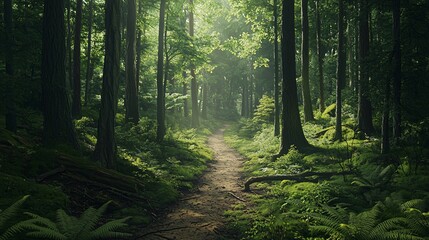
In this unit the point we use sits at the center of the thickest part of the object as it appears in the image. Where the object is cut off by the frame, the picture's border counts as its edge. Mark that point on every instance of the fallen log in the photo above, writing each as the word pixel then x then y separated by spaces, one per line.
pixel 301 177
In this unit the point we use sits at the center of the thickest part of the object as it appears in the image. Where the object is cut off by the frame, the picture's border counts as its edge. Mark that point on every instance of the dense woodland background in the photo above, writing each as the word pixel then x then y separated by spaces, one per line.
pixel 112 101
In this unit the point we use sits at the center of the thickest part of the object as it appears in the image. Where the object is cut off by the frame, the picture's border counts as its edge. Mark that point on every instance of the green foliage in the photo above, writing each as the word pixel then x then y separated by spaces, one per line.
pixel 264 112
pixel 65 227
pixel 6 215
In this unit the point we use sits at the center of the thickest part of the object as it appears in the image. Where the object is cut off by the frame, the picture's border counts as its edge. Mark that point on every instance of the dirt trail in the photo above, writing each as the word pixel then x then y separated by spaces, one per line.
pixel 199 215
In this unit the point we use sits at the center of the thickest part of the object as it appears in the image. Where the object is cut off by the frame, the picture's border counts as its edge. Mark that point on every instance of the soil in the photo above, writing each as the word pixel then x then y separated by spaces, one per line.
pixel 199 215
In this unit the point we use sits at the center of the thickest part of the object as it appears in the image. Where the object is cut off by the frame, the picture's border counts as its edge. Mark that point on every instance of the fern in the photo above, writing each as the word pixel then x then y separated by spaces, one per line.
pixel 71 228
pixel 6 215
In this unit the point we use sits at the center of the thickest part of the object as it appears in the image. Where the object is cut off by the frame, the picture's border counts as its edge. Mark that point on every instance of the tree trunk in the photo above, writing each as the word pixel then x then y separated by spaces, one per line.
pixel 365 107
pixel 105 149
pixel 69 47
pixel 57 121
pixel 292 133
pixel 341 71
pixel 160 133
pixel 138 50
pixel 320 59
pixel 76 102
pixel 276 71
pixel 88 52
pixel 308 109
pixel 131 96
pixel 185 101
pixel 194 85
pixel 205 101
pixel 396 69
pixel 9 101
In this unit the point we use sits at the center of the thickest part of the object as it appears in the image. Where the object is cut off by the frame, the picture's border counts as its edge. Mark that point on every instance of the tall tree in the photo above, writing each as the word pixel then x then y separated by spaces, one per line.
pixel 138 49
pixel 205 101
pixel 69 46
pixel 396 4
pixel 9 101
pixel 341 70
pixel 292 133
pixel 308 109
pixel 185 100
pixel 320 58
pixel 105 149
pixel 57 120
pixel 88 51
pixel 365 107
pixel 194 86
pixel 131 96
pixel 77 103
pixel 160 133
pixel 276 70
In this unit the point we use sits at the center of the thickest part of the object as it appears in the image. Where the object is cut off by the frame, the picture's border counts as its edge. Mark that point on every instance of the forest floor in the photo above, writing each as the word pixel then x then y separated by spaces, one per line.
pixel 200 213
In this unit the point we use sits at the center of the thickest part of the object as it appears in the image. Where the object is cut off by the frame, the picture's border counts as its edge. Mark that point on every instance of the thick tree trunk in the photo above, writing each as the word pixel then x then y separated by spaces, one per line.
pixel 9 101
pixel 320 59
pixel 76 102
pixel 244 99
pixel 131 96
pixel 160 133
pixel 105 149
pixel 88 52
pixel 69 47
pixel 396 69
pixel 276 71
pixel 57 121
pixel 341 71
pixel 292 133
pixel 365 107
pixel 138 50
pixel 194 85
pixel 308 109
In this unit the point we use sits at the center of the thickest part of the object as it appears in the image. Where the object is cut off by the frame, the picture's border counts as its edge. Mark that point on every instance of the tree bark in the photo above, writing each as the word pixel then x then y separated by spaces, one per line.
pixel 194 85
pixel 185 101
pixel 105 149
pixel 205 101
pixel 276 71
pixel 9 101
pixel 57 121
pixel 292 133
pixel 396 69
pixel 308 109
pixel 131 96
pixel 365 108
pixel 69 47
pixel 160 133
pixel 88 52
pixel 341 71
pixel 138 50
pixel 76 102
pixel 320 59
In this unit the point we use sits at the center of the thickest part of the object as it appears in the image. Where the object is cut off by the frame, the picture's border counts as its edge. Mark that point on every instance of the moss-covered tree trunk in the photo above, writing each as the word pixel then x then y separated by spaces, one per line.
pixel 292 133
pixel 138 49
pixel 131 96
pixel 160 111
pixel 88 51
pixel 194 85
pixel 365 107
pixel 320 54
pixel 76 102
pixel 308 109
pixel 9 101
pixel 105 149
pixel 341 71
pixel 276 71
pixel 57 121
pixel 396 69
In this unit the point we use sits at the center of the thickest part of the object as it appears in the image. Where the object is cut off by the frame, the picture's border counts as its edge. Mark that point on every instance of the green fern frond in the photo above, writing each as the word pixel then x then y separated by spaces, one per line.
pixel 107 231
pixel 45 222
pixel 46 233
pixel 90 218
pixel 414 203
pixel 11 211
pixel 387 172
pixel 64 221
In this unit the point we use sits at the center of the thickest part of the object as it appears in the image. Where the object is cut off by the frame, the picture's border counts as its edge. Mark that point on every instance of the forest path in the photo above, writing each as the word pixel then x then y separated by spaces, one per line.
pixel 199 214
